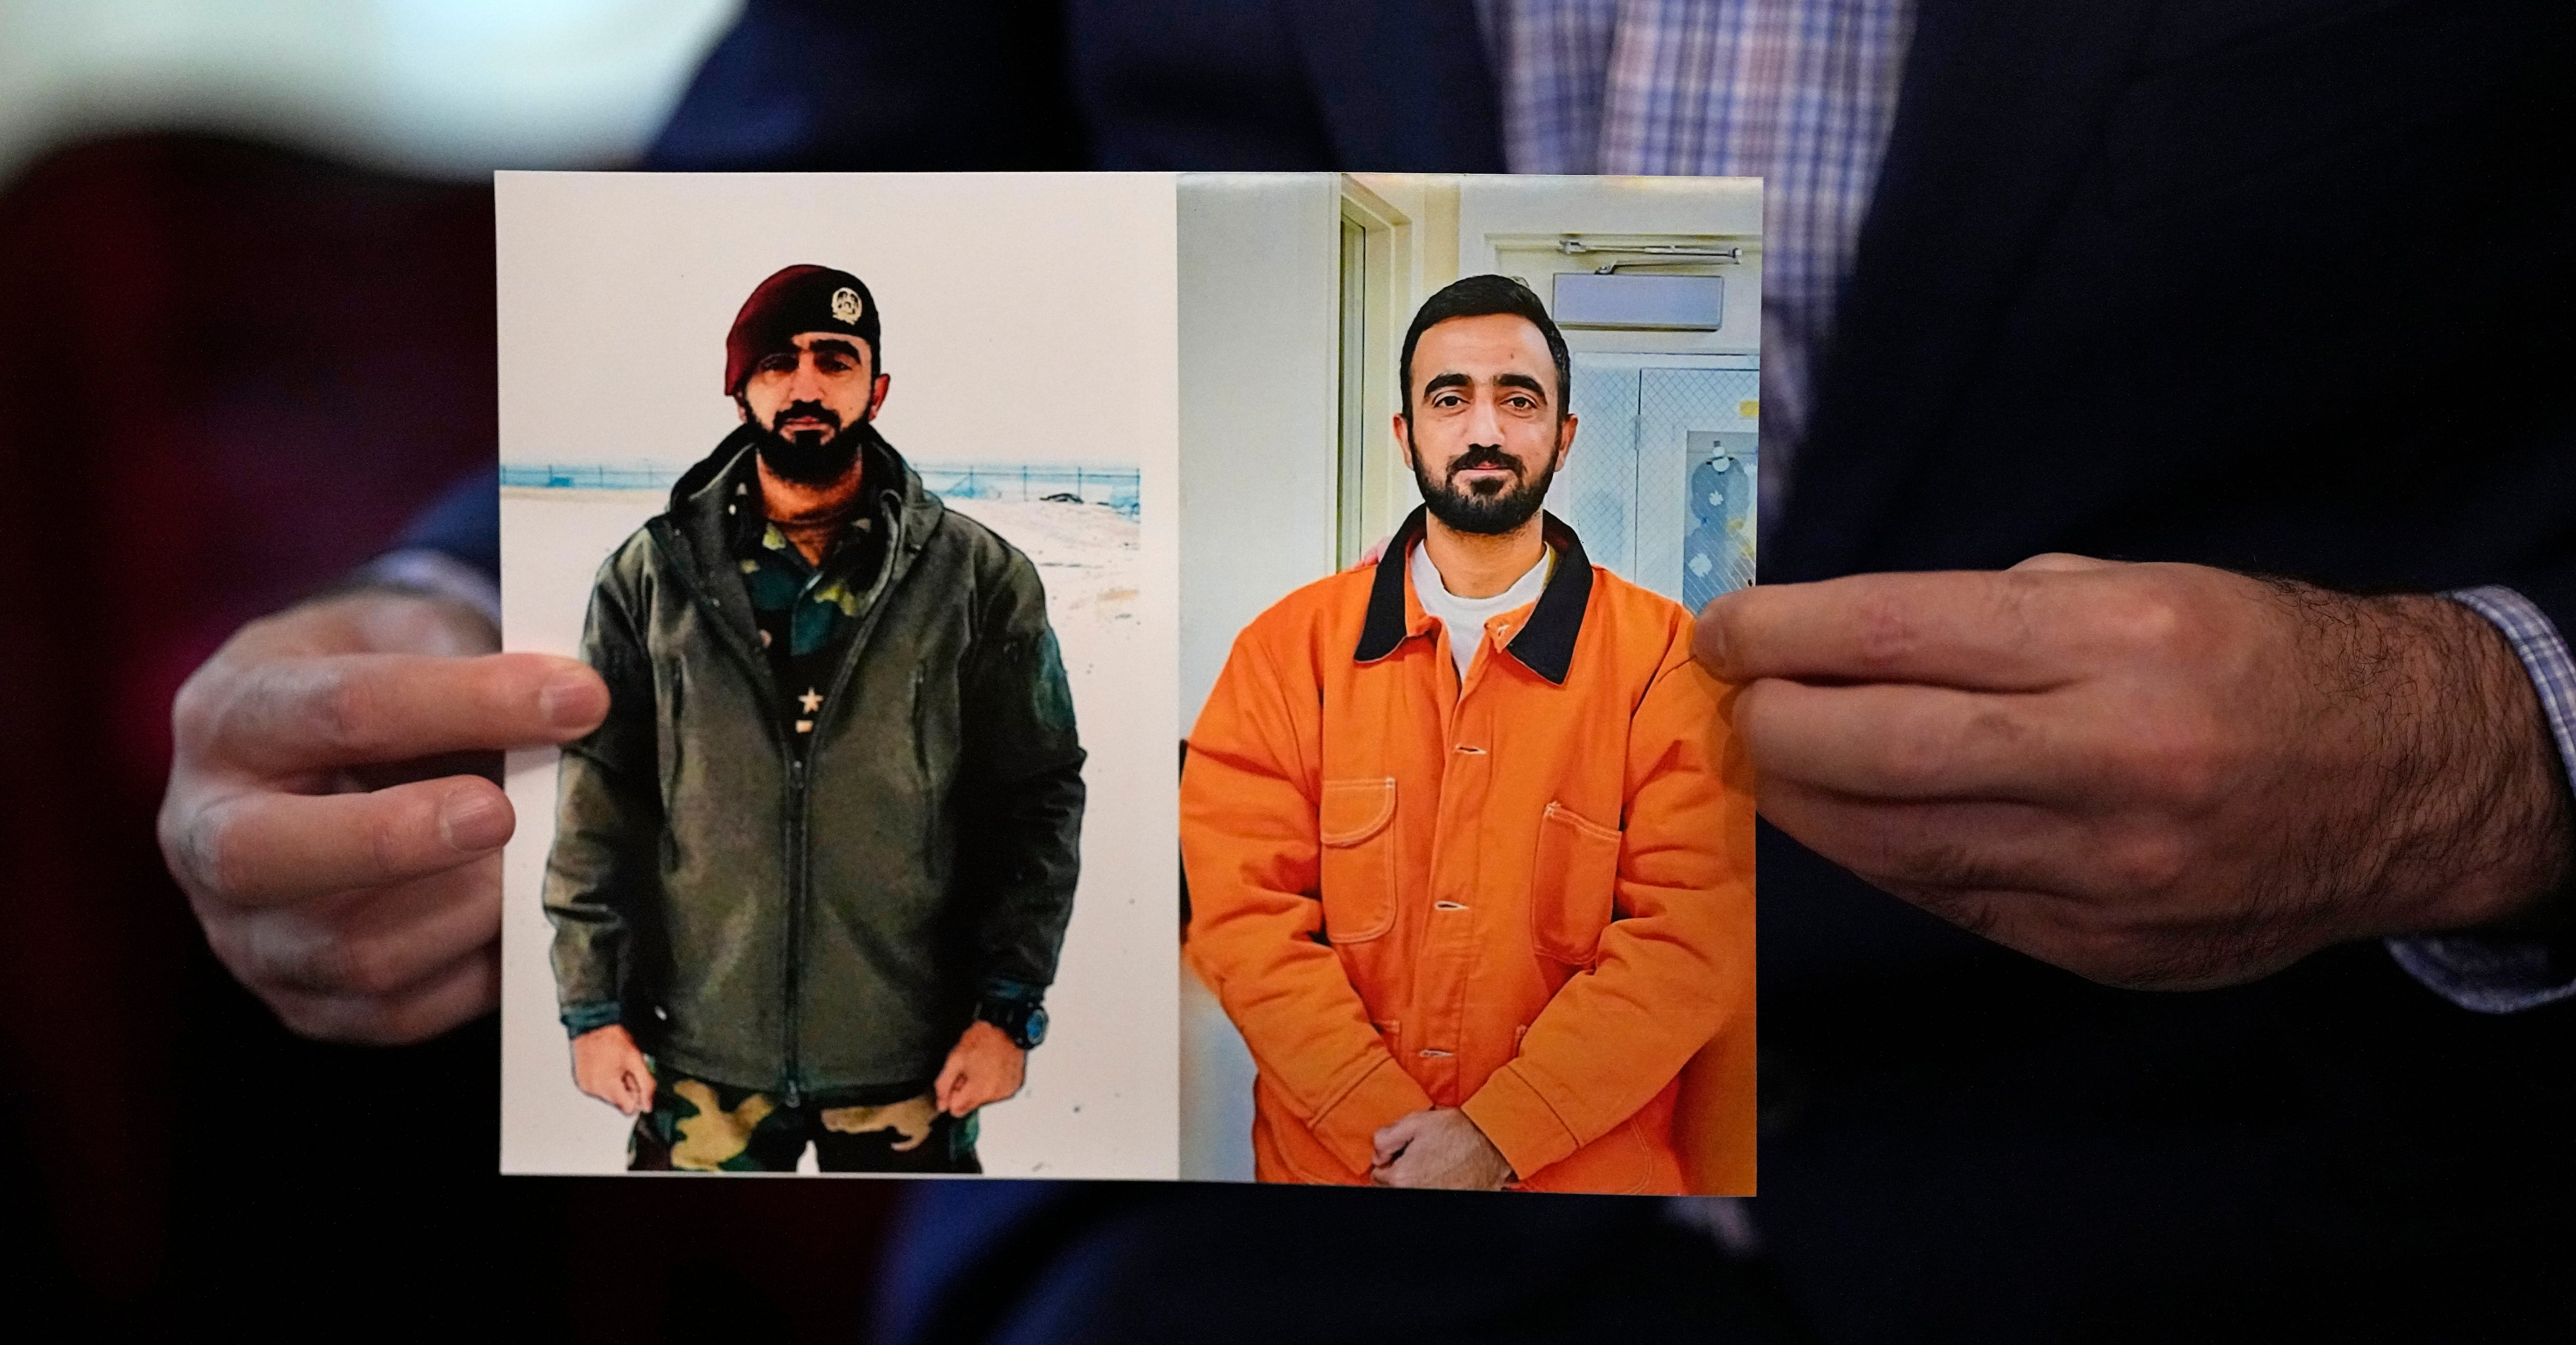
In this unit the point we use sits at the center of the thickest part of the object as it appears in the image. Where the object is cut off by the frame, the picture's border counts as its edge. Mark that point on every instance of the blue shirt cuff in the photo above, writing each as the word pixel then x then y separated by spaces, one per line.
pixel 2488 973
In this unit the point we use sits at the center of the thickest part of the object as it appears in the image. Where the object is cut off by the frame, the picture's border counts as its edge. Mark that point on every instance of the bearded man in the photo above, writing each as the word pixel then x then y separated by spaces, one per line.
pixel 1469 847
pixel 811 874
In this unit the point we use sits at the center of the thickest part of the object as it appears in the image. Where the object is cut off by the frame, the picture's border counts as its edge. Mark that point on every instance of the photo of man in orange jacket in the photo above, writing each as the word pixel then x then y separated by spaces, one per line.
pixel 1469 849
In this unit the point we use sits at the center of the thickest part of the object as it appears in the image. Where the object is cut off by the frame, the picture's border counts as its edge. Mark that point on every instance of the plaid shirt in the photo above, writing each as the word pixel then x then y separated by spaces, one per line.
pixel 1802 93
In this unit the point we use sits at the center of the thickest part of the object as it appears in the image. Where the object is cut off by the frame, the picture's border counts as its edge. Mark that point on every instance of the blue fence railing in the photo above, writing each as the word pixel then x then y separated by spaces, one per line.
pixel 1116 487
pixel 587 476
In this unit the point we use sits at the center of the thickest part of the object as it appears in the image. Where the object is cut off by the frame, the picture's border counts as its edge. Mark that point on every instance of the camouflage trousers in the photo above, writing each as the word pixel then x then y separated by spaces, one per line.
pixel 696 1126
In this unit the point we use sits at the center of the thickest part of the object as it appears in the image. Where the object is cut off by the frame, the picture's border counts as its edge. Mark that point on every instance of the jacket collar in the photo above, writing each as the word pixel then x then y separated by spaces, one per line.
pixel 1545 644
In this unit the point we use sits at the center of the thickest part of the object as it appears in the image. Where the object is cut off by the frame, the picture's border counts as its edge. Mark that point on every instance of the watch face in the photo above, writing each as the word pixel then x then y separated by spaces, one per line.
pixel 1034 1031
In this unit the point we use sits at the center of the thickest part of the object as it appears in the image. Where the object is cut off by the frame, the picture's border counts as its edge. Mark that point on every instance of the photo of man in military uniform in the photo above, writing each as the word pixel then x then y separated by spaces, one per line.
pixel 811 876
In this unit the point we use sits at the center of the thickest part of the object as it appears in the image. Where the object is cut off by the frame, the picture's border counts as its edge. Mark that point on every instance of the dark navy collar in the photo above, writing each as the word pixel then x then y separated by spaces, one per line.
pixel 1545 643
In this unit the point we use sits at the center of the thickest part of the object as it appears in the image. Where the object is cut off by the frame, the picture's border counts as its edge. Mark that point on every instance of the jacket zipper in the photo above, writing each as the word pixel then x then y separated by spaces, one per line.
pixel 800 808
pixel 796 876
pixel 799 785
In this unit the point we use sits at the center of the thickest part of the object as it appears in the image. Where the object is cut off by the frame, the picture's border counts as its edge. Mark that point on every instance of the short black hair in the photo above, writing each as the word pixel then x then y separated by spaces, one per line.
pixel 1479 297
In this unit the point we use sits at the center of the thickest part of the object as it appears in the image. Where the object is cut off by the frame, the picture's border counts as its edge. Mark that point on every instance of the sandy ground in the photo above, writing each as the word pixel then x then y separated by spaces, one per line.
pixel 1101 1098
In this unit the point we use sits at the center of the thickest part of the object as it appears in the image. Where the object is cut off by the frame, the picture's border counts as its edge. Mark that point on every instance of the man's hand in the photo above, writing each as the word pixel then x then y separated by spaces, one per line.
pixel 2152 775
pixel 608 1065
pixel 341 866
pixel 1438 1149
pixel 985 1067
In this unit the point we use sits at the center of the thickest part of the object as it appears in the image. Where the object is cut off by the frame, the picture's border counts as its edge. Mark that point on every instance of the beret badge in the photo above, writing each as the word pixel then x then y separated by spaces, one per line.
pixel 845 304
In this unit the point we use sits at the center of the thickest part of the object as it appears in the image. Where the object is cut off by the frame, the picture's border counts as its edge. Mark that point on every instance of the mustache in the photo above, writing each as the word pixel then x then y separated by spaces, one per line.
pixel 1486 455
pixel 812 410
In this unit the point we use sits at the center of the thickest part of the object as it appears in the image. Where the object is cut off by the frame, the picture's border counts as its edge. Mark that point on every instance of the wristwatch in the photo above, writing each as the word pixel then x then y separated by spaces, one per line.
pixel 1024 1023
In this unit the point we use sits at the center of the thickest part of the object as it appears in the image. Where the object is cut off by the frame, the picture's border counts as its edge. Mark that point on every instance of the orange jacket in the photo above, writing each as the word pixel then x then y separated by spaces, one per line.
pixel 1530 896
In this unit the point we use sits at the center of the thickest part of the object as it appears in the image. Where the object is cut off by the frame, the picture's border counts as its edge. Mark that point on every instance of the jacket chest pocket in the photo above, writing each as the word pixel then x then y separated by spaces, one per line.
pixel 1357 825
pixel 1572 882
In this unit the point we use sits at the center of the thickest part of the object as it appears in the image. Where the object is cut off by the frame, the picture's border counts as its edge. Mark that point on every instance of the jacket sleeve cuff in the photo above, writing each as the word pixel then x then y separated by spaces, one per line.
pixel 581 1018
pixel 1004 990
pixel 1520 1122
pixel 2486 973
pixel 1348 1125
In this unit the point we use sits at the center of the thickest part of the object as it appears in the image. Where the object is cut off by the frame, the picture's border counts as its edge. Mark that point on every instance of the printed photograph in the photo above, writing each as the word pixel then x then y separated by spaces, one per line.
pixel 1467 845
pixel 859 494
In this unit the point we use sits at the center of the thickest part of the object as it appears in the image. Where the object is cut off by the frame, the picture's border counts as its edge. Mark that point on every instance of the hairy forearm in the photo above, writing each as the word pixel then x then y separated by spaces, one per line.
pixel 2477 828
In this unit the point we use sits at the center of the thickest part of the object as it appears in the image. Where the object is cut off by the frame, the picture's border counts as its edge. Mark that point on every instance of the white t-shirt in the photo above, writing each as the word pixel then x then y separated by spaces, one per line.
pixel 1466 617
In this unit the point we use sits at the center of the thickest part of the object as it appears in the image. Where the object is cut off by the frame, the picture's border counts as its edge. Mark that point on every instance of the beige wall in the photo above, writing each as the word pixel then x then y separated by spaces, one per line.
pixel 1258 412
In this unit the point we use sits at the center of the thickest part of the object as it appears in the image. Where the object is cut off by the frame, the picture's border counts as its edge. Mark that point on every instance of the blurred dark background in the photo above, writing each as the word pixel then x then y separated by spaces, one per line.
pixel 246 330
pixel 231 373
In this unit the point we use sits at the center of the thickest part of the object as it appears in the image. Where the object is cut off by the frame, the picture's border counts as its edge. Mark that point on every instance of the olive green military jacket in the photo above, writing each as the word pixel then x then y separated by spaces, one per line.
pixel 818 927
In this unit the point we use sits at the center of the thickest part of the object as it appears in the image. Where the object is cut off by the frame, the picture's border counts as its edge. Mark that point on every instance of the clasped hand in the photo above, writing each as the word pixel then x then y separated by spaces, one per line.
pixel 1437 1148
pixel 2152 775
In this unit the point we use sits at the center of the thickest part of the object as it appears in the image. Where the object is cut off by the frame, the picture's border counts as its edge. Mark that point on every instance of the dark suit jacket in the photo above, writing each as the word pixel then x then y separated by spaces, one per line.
pixel 2276 284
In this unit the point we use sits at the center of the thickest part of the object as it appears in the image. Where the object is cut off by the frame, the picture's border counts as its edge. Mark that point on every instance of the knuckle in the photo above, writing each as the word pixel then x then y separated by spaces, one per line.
pixel 2153 613
pixel 1886 630
pixel 170 830
pixel 365 967
pixel 340 709
pixel 196 710
pixel 388 851
pixel 299 952
pixel 209 852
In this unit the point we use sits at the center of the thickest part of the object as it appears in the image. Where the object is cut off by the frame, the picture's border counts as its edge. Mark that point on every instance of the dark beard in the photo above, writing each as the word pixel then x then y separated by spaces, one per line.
pixel 809 459
pixel 1484 515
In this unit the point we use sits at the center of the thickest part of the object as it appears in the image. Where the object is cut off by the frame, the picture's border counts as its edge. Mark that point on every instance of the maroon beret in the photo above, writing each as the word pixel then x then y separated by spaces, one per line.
pixel 795 301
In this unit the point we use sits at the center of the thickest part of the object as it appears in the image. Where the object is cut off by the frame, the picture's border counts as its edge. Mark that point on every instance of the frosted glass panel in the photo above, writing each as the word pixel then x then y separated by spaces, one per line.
pixel 1661 482
pixel 1596 493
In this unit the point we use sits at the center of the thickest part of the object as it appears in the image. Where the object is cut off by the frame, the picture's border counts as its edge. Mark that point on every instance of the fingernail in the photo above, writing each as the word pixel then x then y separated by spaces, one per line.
pixel 570 700
pixel 474 820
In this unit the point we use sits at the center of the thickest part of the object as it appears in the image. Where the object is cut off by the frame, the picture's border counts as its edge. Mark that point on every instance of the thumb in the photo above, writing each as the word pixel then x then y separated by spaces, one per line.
pixel 951 1075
